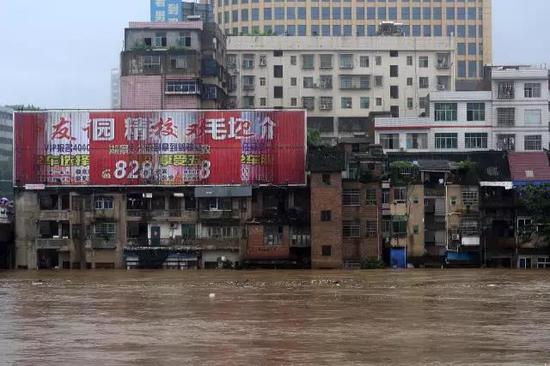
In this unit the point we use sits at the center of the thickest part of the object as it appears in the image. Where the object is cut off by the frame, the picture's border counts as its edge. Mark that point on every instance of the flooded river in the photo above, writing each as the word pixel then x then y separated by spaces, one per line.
pixel 274 317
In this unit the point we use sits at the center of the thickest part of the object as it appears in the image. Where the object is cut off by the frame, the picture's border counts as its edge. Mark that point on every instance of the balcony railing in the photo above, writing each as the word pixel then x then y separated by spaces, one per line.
pixel 53 243
pixel 54 215
pixel 97 243
pixel 218 214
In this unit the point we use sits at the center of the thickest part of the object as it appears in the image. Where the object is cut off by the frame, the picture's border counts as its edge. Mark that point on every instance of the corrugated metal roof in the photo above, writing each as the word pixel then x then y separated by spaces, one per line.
pixel 529 166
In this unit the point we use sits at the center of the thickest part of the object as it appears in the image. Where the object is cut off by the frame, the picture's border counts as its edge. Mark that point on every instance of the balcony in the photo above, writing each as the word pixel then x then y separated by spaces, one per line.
pixel 55 215
pixel 165 242
pixel 219 214
pixel 52 243
pixel 404 122
pixel 97 243
pixel 300 241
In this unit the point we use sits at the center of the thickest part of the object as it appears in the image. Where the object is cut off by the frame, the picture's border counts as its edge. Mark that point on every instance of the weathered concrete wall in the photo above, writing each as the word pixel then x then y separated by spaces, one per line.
pixel 26 231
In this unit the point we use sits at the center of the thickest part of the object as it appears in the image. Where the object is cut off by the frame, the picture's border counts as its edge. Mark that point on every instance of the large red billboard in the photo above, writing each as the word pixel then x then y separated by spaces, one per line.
pixel 103 148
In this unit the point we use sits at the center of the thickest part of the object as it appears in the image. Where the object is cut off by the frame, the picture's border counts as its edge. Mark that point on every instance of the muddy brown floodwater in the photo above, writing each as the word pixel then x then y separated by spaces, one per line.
pixel 275 317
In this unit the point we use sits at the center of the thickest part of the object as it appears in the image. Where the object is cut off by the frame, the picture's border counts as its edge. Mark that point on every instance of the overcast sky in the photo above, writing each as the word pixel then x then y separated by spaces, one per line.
pixel 59 53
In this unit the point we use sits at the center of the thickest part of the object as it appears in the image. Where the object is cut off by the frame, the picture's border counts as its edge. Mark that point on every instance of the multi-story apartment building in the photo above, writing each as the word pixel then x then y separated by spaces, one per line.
pixel 178 10
pixel 511 115
pixel 340 81
pixel 6 152
pixel 173 65
pixel 115 89
pixel 469 22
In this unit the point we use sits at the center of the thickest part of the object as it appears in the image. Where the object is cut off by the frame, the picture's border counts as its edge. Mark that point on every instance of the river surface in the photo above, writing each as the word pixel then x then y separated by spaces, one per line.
pixel 275 317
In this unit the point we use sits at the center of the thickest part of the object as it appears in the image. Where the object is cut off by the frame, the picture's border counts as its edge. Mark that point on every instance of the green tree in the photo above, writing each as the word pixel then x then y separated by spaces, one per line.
pixel 536 199
pixel 314 138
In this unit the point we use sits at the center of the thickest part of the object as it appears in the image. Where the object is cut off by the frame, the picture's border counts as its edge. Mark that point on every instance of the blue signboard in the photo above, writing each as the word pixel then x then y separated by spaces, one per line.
pixel 166 11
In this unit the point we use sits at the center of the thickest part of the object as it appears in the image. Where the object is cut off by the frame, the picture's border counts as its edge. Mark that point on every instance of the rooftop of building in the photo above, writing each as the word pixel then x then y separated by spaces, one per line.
pixel 195 24
pixel 529 167
pixel 325 43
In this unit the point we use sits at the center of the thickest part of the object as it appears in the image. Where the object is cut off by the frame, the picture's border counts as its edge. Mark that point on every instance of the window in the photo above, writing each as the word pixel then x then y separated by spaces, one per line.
pixel 325 81
pixel 475 111
pixel 184 40
pixel 532 90
pixel 105 230
pixel 308 103
pixel 151 62
pixel 378 80
pixel 325 61
pixel 533 142
pixel 532 117
pixel 364 61
pixel 409 81
pixel 277 92
pixel 417 141
pixel 372 228
pixel 104 203
pixel 378 60
pixel 389 141
pixel 423 61
pixel 445 112
pixel 293 60
pixel 325 103
pixel 346 61
pixel 277 71
pixel 378 101
pixel 308 82
pixel 326 179
pixel 351 229
pixel 505 90
pixel 293 102
pixel 248 82
pixel 326 215
pixel 394 92
pixel 446 141
pixel 262 81
pixel 350 197
pixel 506 117
pixel 364 102
pixel 470 198
pixel 506 142
pixel 424 82
pixel 181 87
pixel 307 62
pixel 248 61
pixel 326 250
pixel 293 81
pixel 394 111
pixel 248 101
pixel 160 39
pixel 475 140
pixel 371 196
pixel 409 60
pixel 400 194
pixel 346 103
pixel 273 235
pixel 263 102
pixel 394 71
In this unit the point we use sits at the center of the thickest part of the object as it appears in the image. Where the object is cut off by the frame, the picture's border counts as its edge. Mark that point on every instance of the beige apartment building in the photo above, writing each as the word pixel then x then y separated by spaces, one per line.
pixel 468 21
pixel 341 82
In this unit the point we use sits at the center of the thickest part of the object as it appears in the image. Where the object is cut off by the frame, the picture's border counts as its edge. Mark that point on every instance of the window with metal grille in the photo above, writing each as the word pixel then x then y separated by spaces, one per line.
pixel 181 87
pixel 475 111
pixel 423 61
pixel 350 197
pixel 248 61
pixel 400 194
pixel 417 141
pixel 505 90
pixel 364 61
pixel 346 61
pixel 423 82
pixel 399 225
pixel 533 142
pixel 346 102
pixel 470 198
pixel 506 142
pixel 325 103
pixel 372 228
pixel 273 235
pixel 308 103
pixel 371 197
pixel 308 82
pixel 532 90
pixel 475 140
pixel 445 111
pixel 326 250
pixel 105 230
pixel 351 229
pixel 446 140
pixel 506 117
pixel 325 61
pixel 325 81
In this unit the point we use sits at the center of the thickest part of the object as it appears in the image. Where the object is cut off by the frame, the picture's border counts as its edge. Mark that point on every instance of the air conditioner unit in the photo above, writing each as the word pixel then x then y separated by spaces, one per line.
pixel 324 107
pixel 455 236
pixel 440 87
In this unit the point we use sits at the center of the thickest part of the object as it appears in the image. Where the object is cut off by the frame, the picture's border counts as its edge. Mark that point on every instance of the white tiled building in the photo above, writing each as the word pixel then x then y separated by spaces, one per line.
pixel 512 115
pixel 339 80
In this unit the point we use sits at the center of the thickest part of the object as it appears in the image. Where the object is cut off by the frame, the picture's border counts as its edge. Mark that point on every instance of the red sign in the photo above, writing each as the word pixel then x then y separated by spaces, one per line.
pixel 102 148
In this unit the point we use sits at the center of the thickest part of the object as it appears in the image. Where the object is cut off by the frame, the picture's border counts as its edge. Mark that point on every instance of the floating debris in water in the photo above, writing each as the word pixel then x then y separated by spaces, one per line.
pixel 212 295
